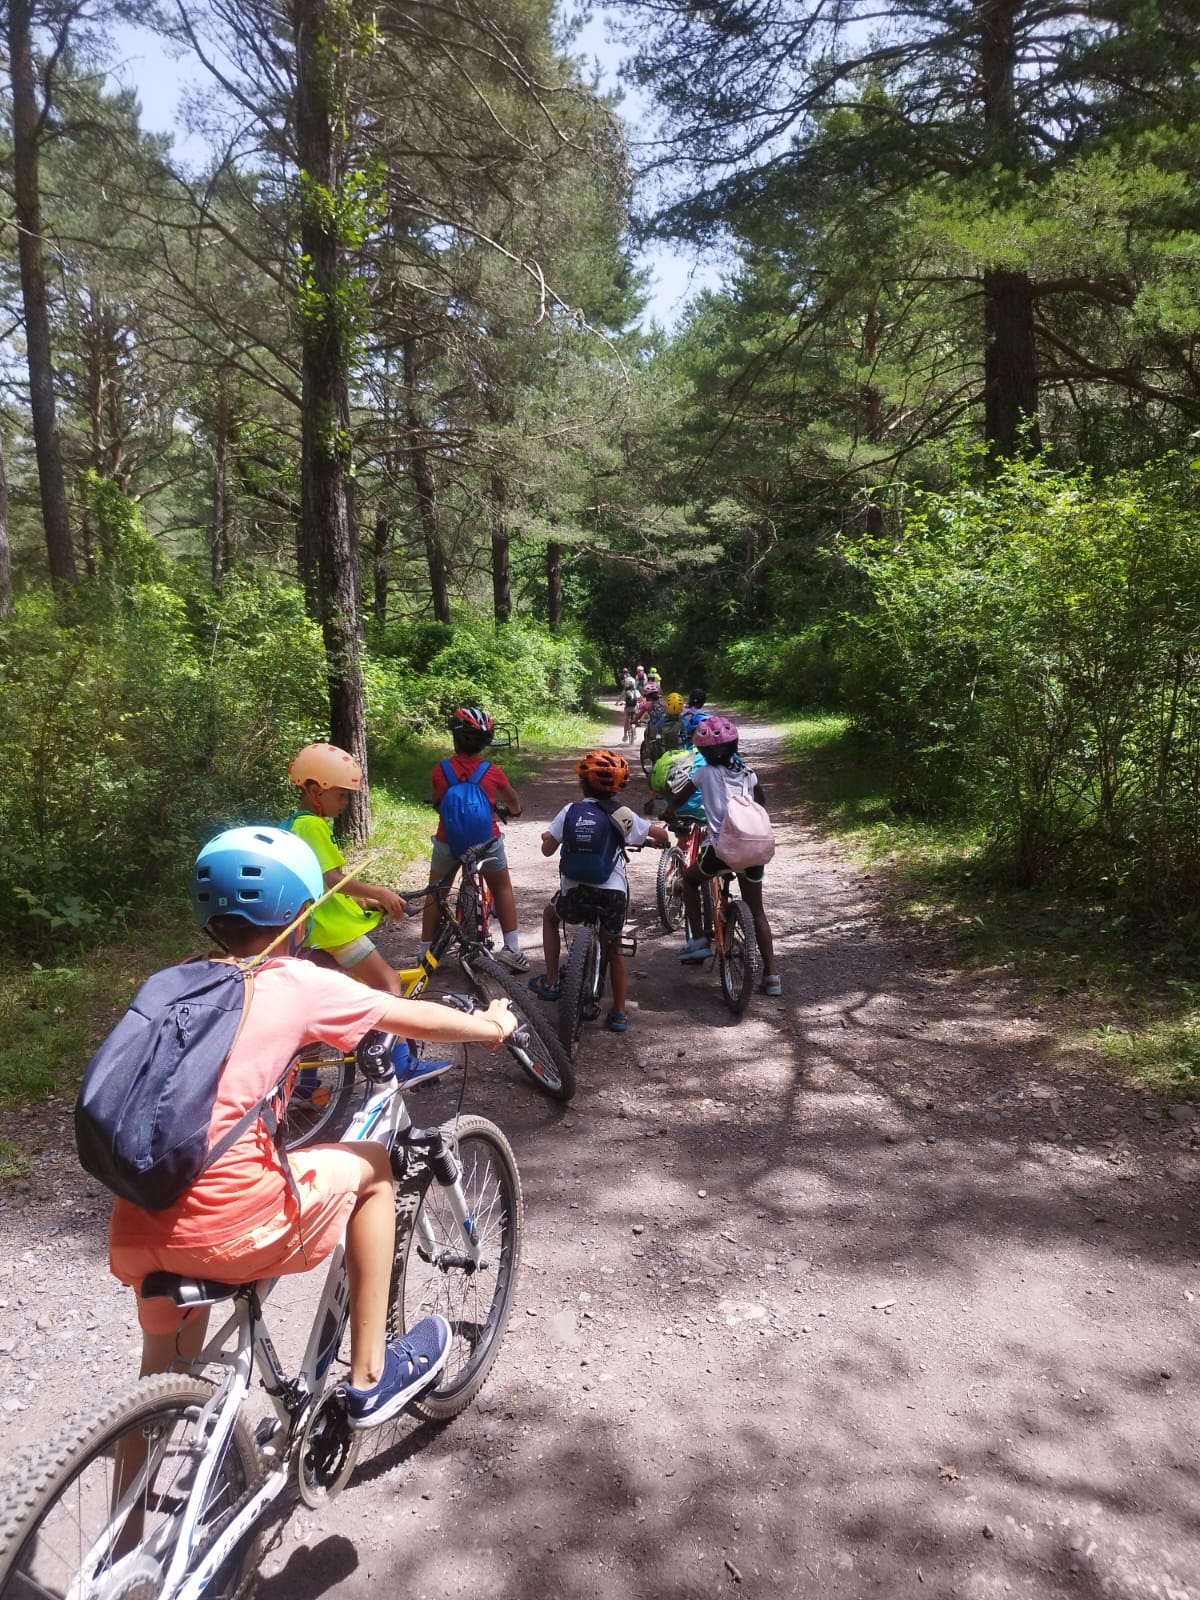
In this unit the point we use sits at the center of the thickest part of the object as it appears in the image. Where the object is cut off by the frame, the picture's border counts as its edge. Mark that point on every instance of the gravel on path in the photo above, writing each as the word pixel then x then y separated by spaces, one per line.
pixel 878 1291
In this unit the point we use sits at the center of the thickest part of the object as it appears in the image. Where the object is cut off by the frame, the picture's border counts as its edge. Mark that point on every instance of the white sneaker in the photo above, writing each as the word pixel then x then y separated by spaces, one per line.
pixel 514 960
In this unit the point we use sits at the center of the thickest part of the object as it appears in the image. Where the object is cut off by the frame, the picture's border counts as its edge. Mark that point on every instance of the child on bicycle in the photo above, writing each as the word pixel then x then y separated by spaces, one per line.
pixel 326 777
pixel 472 731
pixel 243 1219
pixel 602 776
pixel 670 728
pixel 723 772
pixel 629 704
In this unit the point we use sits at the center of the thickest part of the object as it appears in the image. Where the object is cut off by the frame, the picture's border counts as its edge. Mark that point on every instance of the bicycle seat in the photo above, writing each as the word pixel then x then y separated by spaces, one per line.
pixel 189 1291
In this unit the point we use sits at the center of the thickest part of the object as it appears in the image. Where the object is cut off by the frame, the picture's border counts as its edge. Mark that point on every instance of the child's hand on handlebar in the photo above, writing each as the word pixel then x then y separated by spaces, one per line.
pixel 388 901
pixel 501 1012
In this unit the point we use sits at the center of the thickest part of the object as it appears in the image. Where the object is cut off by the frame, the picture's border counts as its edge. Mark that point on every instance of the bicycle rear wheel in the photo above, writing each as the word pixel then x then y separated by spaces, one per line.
pixel 431 1273
pixel 474 910
pixel 741 964
pixel 578 987
pixel 319 1103
pixel 540 1056
pixel 60 1534
pixel 669 888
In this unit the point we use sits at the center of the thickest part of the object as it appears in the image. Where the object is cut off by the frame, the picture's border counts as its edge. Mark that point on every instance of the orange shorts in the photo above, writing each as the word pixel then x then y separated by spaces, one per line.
pixel 328 1178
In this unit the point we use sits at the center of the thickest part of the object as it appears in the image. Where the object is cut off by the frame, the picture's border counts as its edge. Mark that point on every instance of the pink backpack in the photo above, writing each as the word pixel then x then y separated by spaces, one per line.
pixel 745 838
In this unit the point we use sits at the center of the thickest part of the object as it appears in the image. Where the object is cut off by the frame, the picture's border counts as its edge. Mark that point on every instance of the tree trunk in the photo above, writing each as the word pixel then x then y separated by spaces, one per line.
pixel 1010 383
pixel 6 591
pixel 222 428
pixel 554 589
pixel 327 529
pixel 426 486
pixel 501 568
pixel 383 539
pixel 26 158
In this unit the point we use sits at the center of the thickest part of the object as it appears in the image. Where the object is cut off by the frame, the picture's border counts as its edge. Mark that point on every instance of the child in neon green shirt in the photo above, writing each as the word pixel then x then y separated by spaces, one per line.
pixel 326 777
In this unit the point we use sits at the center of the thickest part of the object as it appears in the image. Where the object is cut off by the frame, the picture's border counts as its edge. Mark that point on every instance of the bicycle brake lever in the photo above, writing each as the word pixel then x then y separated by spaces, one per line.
pixel 460 1002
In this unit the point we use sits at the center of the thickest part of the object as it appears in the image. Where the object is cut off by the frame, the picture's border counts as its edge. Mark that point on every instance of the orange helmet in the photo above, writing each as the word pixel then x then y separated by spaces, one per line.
pixel 328 765
pixel 604 770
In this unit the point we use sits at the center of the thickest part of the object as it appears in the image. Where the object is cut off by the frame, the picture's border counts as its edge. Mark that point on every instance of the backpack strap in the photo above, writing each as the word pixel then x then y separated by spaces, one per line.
pixel 477 775
pixel 449 774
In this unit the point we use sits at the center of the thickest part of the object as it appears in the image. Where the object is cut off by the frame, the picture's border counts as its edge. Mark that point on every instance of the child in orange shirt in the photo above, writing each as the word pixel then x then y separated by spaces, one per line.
pixel 240 1221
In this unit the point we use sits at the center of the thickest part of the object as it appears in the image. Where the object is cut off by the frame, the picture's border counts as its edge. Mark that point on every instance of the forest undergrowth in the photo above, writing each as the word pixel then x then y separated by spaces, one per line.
pixel 1135 994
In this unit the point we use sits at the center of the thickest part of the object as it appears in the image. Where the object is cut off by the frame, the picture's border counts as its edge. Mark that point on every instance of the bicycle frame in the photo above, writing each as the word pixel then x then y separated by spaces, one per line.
pixel 383 1117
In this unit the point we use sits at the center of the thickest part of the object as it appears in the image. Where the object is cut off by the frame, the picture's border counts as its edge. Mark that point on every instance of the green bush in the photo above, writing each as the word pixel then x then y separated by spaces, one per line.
pixel 129 732
pixel 1029 657
pixel 149 716
pixel 516 672
pixel 800 669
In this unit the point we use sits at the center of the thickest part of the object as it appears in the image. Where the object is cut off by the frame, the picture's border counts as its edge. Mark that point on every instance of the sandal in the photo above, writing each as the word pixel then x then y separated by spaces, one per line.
pixel 543 990
pixel 616 1022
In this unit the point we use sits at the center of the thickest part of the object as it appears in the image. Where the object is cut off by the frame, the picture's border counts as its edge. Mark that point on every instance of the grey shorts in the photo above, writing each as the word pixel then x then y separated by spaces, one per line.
pixel 443 861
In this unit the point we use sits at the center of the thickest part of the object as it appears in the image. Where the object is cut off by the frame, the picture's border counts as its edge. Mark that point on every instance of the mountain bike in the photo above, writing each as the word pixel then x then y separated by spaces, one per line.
pixel 327 1075
pixel 581 981
pixel 729 926
pixel 162 1491
pixel 676 859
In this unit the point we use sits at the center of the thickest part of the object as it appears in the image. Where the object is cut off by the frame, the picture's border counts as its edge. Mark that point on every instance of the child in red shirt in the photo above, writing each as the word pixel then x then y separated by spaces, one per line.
pixel 472 731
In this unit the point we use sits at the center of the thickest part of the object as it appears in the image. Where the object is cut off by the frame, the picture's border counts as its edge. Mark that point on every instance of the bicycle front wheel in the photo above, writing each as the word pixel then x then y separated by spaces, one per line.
pixel 99 1514
pixel 578 987
pixel 434 1274
pixel 669 888
pixel 537 1052
pixel 741 964
pixel 320 1100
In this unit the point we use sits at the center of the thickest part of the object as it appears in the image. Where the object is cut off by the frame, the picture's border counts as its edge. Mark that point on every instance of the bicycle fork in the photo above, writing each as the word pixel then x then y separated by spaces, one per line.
pixel 441 1152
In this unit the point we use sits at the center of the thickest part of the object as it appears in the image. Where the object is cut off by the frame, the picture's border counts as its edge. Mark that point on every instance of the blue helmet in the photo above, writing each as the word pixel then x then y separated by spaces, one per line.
pixel 262 874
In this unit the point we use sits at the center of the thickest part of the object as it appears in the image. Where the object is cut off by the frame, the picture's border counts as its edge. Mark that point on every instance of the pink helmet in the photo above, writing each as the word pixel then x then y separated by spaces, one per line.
pixel 714 730
pixel 639 669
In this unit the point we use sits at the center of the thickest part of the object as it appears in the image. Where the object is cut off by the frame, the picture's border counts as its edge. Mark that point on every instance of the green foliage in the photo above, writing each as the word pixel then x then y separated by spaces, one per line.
pixel 800 669
pixel 126 734
pixel 127 553
pixel 1029 657
pixel 516 672
pixel 158 716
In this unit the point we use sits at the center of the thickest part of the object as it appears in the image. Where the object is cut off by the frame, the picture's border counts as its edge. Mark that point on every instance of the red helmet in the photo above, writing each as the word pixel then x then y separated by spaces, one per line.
pixel 470 719
pixel 604 770
pixel 714 730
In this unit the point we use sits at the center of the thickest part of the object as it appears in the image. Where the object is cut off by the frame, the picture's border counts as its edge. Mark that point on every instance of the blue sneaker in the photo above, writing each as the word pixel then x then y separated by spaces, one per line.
pixel 409 1367
pixel 694 950
pixel 411 1070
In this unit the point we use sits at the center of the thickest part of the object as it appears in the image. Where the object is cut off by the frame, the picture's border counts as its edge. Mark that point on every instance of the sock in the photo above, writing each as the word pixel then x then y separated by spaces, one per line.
pixel 425 948
pixel 512 941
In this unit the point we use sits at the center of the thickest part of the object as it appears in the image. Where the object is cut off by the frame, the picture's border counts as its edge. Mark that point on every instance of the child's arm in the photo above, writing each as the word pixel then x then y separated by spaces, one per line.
pixel 376 893
pixel 681 799
pixel 419 1019
pixel 759 794
pixel 658 835
pixel 508 797
pixel 549 844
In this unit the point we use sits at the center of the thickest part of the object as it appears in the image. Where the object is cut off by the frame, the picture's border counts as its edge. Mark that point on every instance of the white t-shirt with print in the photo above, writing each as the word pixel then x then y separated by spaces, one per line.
pixel 636 830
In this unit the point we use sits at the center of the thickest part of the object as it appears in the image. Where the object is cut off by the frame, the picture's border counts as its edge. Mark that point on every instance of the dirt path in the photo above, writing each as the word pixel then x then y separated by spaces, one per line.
pixel 876 1292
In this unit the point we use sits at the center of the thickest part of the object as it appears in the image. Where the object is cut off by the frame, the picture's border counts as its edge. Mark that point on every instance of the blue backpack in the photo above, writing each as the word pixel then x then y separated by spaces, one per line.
pixel 465 810
pixel 591 843
pixel 143 1113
